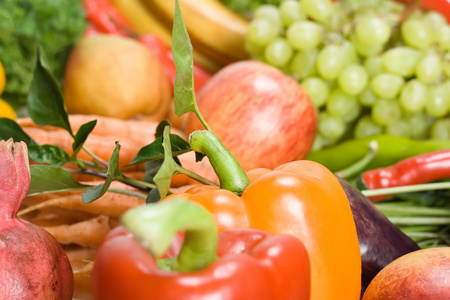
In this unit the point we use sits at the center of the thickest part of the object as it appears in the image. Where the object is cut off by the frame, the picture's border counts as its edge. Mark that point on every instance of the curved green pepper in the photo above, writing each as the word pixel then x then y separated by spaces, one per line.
pixel 391 149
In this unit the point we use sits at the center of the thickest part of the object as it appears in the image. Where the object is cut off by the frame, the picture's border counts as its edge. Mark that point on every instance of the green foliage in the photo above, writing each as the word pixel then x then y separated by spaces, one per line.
pixel 24 25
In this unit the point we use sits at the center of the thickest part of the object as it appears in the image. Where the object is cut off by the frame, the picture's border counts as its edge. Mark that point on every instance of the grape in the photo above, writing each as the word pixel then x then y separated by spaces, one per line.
pixel 398 128
pixel 318 10
pixel 330 61
pixel 435 21
pixel 417 123
pixel 278 52
pixel 304 35
pixel 372 31
pixel 437 104
pixel 290 12
pixel 353 79
pixel 341 105
pixel 349 53
pixel 416 33
pixel 440 129
pixel 366 127
pixel 386 85
pixel 386 111
pixel 304 64
pixel 443 38
pixel 367 97
pixel 413 96
pixel 269 12
pixel 401 60
pixel 317 90
pixel 373 65
pixel 260 32
pixel 331 127
pixel 365 50
pixel 429 67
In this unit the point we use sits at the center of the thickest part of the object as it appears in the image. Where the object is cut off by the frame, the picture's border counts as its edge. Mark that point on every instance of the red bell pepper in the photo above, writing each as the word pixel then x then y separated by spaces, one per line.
pixel 423 168
pixel 141 261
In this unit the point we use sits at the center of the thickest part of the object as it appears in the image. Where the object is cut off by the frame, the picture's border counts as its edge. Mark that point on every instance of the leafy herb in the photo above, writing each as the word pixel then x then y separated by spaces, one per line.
pixel 24 25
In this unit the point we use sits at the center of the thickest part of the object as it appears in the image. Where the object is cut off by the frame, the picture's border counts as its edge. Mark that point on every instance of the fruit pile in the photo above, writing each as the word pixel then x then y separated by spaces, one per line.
pixel 370 67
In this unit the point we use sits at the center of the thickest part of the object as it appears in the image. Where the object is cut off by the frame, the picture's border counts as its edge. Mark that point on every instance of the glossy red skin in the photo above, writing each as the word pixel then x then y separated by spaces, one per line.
pixel 422 274
pixel 262 116
pixel 253 265
pixel 442 6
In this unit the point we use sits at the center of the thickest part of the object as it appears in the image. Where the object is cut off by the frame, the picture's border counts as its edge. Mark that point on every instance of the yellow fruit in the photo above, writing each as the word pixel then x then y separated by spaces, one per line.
pixel 2 78
pixel 114 76
pixel 6 111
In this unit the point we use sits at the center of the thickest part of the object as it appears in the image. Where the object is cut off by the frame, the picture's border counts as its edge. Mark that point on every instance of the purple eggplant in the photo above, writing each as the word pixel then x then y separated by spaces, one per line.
pixel 380 241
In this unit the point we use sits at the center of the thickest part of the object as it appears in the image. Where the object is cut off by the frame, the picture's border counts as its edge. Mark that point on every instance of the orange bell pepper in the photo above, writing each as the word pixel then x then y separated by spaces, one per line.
pixel 302 198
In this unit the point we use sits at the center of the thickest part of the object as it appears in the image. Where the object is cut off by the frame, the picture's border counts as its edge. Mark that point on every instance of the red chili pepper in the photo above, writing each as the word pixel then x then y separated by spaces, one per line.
pixel 164 54
pixel 423 168
pixel 104 16
pixel 233 265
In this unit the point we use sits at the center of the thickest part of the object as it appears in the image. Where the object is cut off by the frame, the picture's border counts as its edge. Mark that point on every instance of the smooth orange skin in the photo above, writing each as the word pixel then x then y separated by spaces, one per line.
pixel 422 274
pixel 304 199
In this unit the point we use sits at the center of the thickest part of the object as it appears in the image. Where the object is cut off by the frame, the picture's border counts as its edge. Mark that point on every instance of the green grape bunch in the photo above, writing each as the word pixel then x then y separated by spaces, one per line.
pixel 367 67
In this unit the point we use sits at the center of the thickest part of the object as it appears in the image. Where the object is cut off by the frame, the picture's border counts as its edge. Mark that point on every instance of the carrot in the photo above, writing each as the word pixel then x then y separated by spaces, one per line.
pixel 81 260
pixel 142 131
pixel 89 233
pixel 110 204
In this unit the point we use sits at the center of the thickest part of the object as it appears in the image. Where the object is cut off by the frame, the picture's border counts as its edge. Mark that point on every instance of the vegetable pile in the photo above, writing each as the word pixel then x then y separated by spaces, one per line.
pixel 217 193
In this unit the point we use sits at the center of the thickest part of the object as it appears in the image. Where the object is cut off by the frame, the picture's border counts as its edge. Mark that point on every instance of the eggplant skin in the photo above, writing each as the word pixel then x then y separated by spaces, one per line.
pixel 380 241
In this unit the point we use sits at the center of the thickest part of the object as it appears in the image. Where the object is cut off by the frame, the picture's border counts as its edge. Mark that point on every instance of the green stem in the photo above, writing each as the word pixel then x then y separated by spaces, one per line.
pixel 104 163
pixel 390 208
pixel 156 224
pixel 361 164
pixel 136 182
pixel 419 220
pixel 127 192
pixel 407 189
pixel 195 176
pixel 231 175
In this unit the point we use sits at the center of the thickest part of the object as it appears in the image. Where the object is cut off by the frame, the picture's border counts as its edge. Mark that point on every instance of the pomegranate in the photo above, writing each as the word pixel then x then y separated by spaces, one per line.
pixel 33 264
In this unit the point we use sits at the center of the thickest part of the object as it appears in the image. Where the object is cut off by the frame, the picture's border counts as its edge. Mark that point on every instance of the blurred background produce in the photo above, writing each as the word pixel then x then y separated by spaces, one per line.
pixel 370 67
pixel 24 25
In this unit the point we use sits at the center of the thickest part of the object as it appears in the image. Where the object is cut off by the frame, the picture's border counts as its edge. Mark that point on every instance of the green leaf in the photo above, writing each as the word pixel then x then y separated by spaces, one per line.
pixel 184 93
pixel 163 178
pixel 45 100
pixel 49 179
pixel 82 135
pixel 151 168
pixel 48 154
pixel 155 150
pixel 160 129
pixel 111 174
pixel 153 196
pixel 10 129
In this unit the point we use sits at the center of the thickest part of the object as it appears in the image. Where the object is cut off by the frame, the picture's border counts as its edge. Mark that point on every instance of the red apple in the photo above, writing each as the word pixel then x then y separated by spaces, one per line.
pixel 261 115
pixel 422 274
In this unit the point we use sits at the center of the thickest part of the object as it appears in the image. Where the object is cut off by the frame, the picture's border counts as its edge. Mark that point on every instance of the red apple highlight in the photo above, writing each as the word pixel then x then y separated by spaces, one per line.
pixel 261 115
pixel 422 274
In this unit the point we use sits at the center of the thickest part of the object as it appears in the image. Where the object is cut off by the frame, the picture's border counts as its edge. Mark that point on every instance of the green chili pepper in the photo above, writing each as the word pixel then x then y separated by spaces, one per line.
pixel 391 149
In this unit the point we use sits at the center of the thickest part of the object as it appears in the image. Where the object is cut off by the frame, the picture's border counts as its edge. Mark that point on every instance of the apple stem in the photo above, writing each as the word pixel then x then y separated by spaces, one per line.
pixel 230 173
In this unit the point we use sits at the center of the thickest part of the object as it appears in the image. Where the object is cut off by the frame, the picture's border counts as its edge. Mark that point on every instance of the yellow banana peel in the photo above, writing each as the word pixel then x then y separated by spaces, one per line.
pixel 213 28
pixel 143 21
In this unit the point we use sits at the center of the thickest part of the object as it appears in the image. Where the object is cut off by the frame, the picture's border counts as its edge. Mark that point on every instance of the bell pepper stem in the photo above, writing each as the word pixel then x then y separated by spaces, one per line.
pixel 154 225
pixel 231 175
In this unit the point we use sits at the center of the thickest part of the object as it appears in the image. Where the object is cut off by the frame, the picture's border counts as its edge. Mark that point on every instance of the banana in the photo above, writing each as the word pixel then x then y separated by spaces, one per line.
pixel 143 21
pixel 213 28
